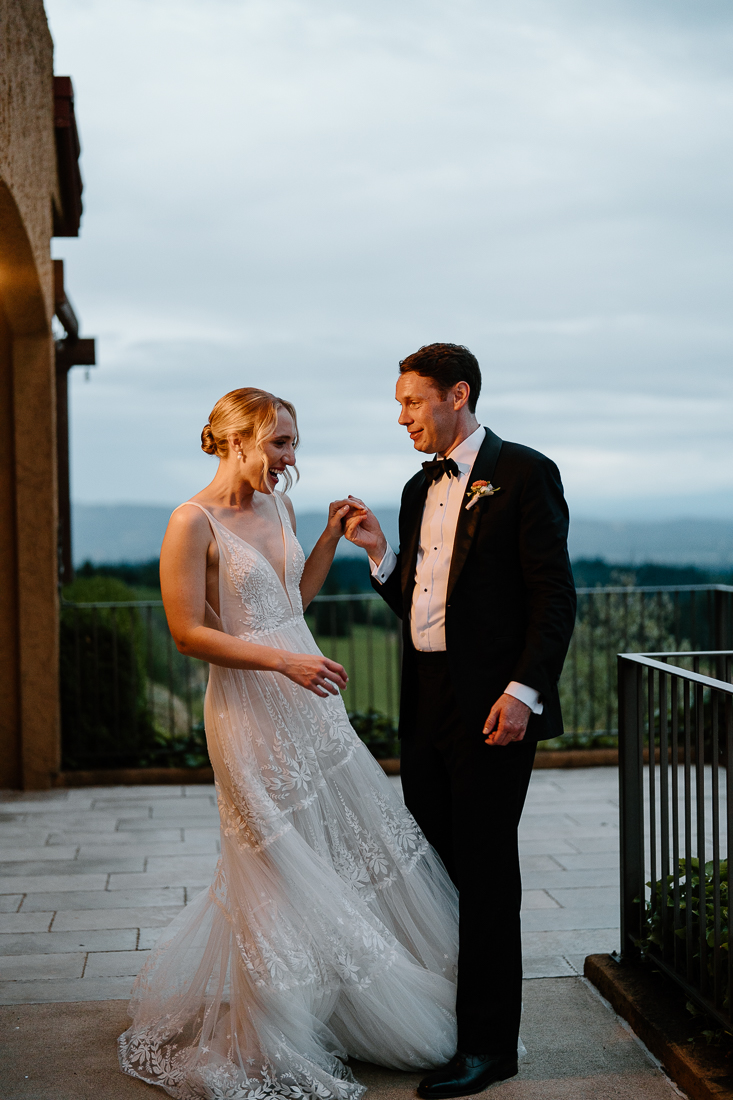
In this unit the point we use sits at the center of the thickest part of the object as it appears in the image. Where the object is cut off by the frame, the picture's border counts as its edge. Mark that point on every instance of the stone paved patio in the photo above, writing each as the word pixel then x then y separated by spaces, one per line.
pixel 89 877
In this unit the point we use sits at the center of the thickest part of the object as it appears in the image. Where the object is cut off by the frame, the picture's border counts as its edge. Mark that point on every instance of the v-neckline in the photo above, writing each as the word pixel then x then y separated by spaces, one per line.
pixel 283 583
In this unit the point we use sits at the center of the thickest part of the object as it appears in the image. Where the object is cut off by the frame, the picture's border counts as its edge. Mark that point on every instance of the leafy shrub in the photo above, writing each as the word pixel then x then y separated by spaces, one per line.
pixel 104 717
pixel 378 733
pixel 657 937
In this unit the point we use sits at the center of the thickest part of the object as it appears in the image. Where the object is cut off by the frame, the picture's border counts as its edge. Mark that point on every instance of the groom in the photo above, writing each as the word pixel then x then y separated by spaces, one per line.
pixel 483 585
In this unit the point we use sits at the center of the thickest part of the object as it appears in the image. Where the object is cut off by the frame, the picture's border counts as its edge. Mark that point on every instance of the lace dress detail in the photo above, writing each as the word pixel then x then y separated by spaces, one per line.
pixel 330 928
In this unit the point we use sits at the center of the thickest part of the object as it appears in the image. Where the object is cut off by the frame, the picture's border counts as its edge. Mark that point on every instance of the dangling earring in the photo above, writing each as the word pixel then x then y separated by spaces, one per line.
pixel 240 456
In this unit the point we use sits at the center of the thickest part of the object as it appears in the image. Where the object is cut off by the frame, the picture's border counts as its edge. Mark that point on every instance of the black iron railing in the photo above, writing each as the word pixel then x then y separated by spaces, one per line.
pixel 129 698
pixel 676 817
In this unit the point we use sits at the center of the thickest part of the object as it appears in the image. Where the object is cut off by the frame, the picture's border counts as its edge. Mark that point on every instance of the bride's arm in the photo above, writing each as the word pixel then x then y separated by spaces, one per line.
pixel 183 559
pixel 320 558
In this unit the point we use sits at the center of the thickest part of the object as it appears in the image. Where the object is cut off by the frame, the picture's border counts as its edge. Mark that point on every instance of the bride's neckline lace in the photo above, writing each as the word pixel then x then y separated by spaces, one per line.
pixel 253 548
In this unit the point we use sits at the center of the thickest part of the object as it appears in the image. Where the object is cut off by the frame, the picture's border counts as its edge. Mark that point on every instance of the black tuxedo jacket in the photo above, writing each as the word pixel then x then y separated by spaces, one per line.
pixel 510 608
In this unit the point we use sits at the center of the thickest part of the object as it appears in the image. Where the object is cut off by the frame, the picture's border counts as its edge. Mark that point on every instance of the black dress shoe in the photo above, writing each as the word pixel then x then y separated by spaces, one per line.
pixel 466 1074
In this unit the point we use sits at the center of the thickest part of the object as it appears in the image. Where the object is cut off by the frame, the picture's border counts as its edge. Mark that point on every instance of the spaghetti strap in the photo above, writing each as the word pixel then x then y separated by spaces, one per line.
pixel 195 504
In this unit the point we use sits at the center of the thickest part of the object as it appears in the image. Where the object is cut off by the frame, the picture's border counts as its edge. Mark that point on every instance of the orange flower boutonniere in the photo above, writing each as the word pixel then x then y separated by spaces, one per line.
pixel 480 489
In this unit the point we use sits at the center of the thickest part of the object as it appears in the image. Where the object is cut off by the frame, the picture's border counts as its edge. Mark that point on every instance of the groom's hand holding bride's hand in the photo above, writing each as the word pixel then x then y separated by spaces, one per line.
pixel 362 528
pixel 507 721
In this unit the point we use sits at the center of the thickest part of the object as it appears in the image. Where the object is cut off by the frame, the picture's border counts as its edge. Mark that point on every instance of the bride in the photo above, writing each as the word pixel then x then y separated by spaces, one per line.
pixel 330 929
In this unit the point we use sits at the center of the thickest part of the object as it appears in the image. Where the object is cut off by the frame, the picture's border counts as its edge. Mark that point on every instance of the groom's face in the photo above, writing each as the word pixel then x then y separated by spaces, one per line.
pixel 429 416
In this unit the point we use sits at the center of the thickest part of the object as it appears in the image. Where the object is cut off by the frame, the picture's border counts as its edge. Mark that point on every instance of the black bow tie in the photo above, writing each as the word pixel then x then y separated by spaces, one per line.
pixel 435 470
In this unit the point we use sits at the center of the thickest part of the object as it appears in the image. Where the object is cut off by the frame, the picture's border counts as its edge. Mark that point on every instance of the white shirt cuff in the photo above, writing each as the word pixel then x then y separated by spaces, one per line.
pixel 386 566
pixel 526 695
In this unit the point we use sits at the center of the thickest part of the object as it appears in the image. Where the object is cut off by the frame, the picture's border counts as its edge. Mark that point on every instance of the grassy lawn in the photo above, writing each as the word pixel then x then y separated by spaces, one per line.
pixel 370 656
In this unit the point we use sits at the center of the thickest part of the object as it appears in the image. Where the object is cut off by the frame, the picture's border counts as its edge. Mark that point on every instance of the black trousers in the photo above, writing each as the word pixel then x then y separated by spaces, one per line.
pixel 467 797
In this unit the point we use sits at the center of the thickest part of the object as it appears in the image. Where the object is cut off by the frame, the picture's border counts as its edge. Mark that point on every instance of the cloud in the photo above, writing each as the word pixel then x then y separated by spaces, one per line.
pixel 297 194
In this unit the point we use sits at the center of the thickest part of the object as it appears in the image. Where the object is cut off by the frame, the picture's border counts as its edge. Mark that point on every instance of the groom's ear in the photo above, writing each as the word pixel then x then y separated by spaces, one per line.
pixel 461 394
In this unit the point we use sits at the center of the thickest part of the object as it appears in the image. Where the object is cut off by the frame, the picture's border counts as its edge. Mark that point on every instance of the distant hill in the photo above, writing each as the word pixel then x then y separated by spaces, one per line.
pixel 702 542
pixel 134 532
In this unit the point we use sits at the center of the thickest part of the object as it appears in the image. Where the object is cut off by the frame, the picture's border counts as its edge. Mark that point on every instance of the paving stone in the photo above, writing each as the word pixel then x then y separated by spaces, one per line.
pixel 203 864
pixel 142 806
pixel 38 884
pixel 591 861
pixel 75 866
pixel 25 922
pixel 125 796
pixel 195 879
pixel 39 853
pixel 66 990
pixel 103 899
pixel 549 822
pixel 604 817
pixel 565 832
pixel 596 844
pixel 199 832
pixel 93 939
pixel 580 898
pixel 546 966
pixel 21 833
pixel 557 880
pixel 112 964
pixel 153 916
pixel 550 920
pixel 557 799
pixel 537 899
pixel 148 938
pixel 147 848
pixel 9 903
pixel 577 962
pixel 539 863
pixel 585 941
pixel 197 807
pixel 74 819
pixel 202 790
pixel 146 824
pixel 183 818
pixel 546 846
pixel 194 810
pixel 26 803
pixel 22 968
pixel 112 840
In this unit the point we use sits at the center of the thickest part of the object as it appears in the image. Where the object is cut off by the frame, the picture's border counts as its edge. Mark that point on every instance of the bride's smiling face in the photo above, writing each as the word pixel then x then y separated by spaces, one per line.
pixel 278 449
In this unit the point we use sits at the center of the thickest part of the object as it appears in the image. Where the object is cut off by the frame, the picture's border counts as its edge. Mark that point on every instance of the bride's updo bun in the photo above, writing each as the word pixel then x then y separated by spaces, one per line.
pixel 250 412
pixel 208 443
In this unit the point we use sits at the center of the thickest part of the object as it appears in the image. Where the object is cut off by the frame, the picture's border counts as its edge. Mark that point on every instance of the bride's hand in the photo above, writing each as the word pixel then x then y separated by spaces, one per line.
pixel 319 674
pixel 338 510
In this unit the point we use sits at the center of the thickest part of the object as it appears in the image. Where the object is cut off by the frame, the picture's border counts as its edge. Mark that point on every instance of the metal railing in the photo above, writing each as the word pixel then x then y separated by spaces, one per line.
pixel 676 818
pixel 129 698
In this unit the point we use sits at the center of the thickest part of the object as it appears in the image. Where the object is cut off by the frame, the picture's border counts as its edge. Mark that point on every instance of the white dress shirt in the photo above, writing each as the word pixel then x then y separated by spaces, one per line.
pixel 435 550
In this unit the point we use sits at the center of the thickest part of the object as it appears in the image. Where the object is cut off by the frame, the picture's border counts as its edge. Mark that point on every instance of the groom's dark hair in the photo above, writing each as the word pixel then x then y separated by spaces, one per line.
pixel 446 364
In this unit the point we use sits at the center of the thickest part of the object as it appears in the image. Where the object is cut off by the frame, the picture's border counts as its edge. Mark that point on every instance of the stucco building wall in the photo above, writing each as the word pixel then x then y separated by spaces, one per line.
pixel 29 710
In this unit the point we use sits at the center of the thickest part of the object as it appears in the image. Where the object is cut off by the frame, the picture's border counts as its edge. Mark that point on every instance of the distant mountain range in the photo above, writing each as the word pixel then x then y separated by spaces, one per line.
pixel 134 532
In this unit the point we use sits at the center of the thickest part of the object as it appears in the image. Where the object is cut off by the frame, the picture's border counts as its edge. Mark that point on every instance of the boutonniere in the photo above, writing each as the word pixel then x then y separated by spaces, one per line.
pixel 480 489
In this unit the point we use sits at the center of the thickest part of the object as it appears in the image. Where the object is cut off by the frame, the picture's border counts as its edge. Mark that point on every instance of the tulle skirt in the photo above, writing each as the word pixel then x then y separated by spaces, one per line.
pixel 330 930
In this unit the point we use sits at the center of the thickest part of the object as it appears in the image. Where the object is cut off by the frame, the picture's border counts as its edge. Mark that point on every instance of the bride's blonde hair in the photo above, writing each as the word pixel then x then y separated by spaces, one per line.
pixel 252 413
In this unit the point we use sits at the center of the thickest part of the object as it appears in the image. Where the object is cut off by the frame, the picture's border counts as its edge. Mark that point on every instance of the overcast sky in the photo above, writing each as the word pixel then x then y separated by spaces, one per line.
pixel 295 194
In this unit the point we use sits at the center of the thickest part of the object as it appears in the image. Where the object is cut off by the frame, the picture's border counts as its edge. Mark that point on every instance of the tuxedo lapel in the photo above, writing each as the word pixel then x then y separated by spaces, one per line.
pixel 482 470
pixel 411 521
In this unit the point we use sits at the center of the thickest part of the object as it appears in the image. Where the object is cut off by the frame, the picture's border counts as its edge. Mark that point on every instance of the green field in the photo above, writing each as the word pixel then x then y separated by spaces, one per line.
pixel 370 656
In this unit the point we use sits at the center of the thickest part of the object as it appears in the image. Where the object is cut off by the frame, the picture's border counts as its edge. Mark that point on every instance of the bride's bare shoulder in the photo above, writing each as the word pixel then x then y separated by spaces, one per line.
pixel 189 522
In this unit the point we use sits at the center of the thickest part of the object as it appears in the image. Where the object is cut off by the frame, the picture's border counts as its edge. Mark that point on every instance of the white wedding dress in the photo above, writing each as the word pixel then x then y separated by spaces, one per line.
pixel 331 927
